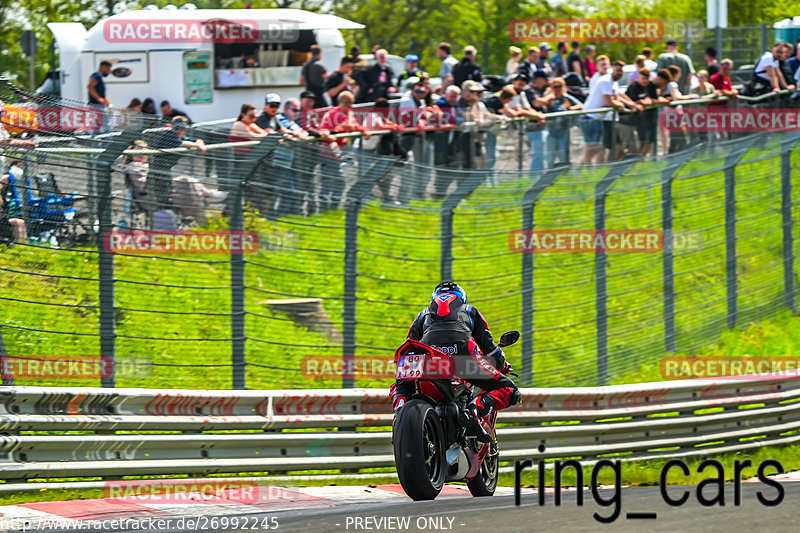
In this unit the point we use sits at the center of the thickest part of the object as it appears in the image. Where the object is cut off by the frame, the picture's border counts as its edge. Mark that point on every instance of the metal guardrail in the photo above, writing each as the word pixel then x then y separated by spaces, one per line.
pixel 643 421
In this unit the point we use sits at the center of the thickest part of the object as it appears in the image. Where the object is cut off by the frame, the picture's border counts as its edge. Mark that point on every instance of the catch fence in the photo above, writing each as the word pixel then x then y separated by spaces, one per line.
pixel 350 246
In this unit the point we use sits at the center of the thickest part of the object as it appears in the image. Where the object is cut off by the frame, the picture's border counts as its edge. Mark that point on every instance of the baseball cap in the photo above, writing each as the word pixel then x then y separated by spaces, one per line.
pixel 180 123
pixel 672 42
pixel 273 98
pixel 307 94
pixel 412 57
pixel 519 76
pixel 544 46
pixel 471 85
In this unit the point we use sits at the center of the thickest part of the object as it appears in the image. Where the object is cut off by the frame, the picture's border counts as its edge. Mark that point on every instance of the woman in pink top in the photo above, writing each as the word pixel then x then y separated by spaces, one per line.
pixel 245 128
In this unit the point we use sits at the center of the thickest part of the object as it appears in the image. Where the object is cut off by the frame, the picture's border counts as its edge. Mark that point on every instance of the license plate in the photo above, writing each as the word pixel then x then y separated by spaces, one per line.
pixel 410 366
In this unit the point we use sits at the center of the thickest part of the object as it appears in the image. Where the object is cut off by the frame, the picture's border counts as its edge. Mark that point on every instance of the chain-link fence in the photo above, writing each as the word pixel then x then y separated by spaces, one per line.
pixel 320 255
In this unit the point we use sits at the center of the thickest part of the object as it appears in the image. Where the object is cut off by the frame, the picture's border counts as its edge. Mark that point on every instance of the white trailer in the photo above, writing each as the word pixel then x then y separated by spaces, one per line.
pixel 206 62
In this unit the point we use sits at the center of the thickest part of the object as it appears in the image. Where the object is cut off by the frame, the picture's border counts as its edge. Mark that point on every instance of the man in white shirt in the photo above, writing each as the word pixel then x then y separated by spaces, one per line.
pixel 768 69
pixel 448 62
pixel 599 128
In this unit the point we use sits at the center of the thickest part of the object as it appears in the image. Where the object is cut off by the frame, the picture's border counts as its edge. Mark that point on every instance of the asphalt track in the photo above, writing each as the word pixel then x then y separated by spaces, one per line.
pixel 499 514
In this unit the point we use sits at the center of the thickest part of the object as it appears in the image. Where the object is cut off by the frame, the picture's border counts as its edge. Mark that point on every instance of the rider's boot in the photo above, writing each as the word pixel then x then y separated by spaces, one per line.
pixel 470 418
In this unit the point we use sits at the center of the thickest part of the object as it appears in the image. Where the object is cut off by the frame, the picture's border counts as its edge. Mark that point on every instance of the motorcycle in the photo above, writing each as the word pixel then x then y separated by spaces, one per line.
pixel 429 434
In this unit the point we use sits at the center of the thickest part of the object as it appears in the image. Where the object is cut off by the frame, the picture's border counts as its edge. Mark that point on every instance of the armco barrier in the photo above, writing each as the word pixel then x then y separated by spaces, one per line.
pixel 664 419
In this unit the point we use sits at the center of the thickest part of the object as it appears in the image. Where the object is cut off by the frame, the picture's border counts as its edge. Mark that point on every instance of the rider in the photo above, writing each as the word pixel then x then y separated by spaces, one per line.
pixel 453 326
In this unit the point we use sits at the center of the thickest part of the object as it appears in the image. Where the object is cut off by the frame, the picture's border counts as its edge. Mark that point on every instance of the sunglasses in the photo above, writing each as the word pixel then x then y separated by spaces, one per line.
pixel 556 86
pixel 273 105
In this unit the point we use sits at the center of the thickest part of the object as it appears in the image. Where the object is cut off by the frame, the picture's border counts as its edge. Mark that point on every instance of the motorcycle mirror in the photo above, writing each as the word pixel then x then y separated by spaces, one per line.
pixel 508 338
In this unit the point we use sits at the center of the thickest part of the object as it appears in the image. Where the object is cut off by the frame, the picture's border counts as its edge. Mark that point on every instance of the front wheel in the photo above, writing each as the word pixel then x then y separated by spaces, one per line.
pixel 485 482
pixel 419 450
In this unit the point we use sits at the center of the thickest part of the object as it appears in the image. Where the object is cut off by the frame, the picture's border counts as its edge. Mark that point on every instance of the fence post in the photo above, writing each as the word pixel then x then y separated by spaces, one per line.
pixel 471 180
pixel 718 42
pixel 730 226
pixel 528 206
pixel 601 304
pixel 355 196
pixel 613 155
pixel 3 354
pixel 105 259
pixel 786 213
pixel 668 240
pixel 764 39
pixel 240 173
pixel 520 144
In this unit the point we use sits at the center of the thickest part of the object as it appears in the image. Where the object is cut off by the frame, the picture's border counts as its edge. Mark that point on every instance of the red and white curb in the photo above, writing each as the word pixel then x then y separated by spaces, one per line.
pixel 268 499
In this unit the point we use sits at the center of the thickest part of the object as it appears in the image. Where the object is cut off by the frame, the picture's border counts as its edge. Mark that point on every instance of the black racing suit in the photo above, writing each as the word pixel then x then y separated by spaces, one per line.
pixel 459 329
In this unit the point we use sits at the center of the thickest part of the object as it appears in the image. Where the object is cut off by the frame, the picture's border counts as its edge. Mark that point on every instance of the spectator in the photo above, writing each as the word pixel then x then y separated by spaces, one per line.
pixel 767 71
pixel 376 81
pixel 599 130
pixel 411 71
pixel 588 64
pixel 448 62
pixel 530 65
pixel 136 170
pixel 542 63
pixel 97 94
pixel 339 119
pixel 558 129
pixel 466 69
pixel 794 61
pixel 639 64
pixel 129 113
pixel 245 127
pixel 149 106
pixel 339 80
pixel 786 70
pixel 313 76
pixel 411 114
pixel 558 63
pixel 520 105
pixel 190 198
pixel 710 57
pixel 537 134
pixel 721 81
pixel 268 119
pixel 355 55
pixel 168 112
pixel 575 62
pixel 649 64
pixel 445 143
pixel 297 186
pixel 603 63
pixel 704 88
pixel 671 91
pixel 513 63
pixel 644 92
pixel 470 108
pixel 496 106
pixel 672 57
pixel 158 179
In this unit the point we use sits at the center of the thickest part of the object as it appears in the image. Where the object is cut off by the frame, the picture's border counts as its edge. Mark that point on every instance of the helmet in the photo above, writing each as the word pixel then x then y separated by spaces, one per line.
pixel 450 286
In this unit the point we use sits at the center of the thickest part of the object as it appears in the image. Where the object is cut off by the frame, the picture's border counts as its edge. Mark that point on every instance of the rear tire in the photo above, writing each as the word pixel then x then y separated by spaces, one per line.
pixel 419 450
pixel 485 482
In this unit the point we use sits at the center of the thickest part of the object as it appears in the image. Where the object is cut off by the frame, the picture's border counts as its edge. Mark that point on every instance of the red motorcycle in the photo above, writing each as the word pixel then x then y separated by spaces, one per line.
pixel 431 442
